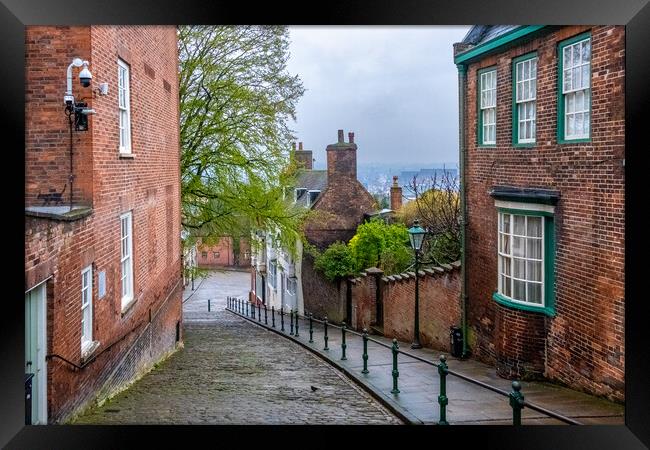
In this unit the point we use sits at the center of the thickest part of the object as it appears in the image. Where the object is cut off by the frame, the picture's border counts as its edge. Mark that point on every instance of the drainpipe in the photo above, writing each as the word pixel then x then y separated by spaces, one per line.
pixel 462 82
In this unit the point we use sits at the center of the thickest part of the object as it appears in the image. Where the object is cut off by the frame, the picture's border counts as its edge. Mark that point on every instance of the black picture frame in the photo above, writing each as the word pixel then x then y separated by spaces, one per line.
pixel 634 14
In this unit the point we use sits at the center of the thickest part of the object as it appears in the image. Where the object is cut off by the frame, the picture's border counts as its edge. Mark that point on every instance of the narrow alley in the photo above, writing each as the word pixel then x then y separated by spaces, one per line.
pixel 233 372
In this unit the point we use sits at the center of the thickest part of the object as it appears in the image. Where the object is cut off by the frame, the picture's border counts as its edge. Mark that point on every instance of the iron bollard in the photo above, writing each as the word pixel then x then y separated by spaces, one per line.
pixel 253 311
pixel 240 306
pixel 291 322
pixel 273 316
pixel 365 351
pixel 259 312
pixel 282 318
pixel 442 398
pixel 326 338
pixel 296 335
pixel 247 313
pixel 343 345
pixel 517 402
pixel 395 372
pixel 208 305
pixel 311 329
pixel 266 318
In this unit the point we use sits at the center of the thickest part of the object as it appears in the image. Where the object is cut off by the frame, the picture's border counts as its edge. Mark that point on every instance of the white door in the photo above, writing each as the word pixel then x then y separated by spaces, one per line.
pixel 35 350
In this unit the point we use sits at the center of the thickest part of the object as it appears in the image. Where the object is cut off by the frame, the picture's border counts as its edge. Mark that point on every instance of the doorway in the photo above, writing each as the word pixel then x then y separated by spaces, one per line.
pixel 35 351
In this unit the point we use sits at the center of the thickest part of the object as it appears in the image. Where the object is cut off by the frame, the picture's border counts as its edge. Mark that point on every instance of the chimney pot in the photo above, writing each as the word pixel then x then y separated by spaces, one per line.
pixel 351 137
pixel 294 145
pixel 395 181
pixel 300 146
pixel 341 136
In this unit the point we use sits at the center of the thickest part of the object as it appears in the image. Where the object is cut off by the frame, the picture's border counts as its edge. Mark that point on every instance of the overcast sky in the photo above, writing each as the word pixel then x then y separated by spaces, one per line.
pixel 395 87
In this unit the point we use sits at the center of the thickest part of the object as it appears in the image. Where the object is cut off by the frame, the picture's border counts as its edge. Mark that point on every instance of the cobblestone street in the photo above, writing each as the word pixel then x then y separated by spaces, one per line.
pixel 234 372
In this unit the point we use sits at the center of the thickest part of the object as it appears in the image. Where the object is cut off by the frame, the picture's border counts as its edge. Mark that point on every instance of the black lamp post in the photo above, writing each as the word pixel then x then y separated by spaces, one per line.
pixel 416 234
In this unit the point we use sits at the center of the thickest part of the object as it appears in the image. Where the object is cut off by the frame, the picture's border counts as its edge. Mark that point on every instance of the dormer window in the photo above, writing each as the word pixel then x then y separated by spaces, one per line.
pixel 313 195
pixel 299 193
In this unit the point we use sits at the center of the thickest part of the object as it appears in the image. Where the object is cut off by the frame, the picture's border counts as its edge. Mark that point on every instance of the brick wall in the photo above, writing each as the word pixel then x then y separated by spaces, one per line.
pixel 222 254
pixel 148 184
pixel 322 297
pixel 439 301
pixel 583 345
pixel 439 305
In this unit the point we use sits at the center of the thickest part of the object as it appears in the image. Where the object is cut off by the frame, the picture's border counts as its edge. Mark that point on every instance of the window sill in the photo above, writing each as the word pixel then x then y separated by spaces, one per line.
pixel 127 307
pixel 87 350
pixel 500 299
pixel 486 146
pixel 574 141
pixel 127 156
pixel 525 145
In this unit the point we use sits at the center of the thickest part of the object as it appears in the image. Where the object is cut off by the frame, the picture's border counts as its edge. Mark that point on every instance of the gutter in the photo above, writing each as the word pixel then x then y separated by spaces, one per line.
pixel 462 81
pixel 494 44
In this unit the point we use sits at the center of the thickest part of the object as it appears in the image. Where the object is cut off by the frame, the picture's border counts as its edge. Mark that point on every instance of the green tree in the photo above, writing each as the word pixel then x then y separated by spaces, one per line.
pixel 377 244
pixel 335 262
pixel 236 98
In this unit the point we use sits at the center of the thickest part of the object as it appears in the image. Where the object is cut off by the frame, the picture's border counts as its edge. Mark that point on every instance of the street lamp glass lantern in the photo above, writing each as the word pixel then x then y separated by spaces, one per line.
pixel 416 234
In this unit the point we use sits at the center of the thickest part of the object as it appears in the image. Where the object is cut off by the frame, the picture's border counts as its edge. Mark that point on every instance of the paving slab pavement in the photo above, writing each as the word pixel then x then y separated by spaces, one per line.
pixel 418 383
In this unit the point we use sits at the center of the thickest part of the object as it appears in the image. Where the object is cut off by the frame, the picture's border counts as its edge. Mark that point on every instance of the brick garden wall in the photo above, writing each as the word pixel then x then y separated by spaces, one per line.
pixel 148 184
pixel 321 296
pixel 583 345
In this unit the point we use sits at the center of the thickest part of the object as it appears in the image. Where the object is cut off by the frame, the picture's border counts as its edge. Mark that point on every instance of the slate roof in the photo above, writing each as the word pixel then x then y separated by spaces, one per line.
pixel 312 180
pixel 479 34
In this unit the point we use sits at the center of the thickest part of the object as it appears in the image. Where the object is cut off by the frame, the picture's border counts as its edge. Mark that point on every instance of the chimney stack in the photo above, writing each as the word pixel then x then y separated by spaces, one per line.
pixel 351 137
pixel 303 157
pixel 341 159
pixel 395 195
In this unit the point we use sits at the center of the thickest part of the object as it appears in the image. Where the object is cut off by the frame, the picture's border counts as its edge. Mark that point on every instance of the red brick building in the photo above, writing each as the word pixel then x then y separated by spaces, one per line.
pixel 542 151
pixel 102 204
pixel 225 253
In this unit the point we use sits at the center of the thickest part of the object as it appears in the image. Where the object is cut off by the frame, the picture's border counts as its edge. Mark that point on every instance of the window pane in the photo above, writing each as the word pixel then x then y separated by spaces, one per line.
pixel 579 123
pixel 571 130
pixel 519 72
pixel 519 290
pixel 585 129
pixel 576 75
pixel 505 265
pixel 507 286
pixel 506 223
pixel 567 56
pixel 576 54
pixel 534 270
pixel 535 293
pixel 518 248
pixel 520 225
pixel 534 226
pixel 567 80
pixel 585 76
pixel 586 51
pixel 519 268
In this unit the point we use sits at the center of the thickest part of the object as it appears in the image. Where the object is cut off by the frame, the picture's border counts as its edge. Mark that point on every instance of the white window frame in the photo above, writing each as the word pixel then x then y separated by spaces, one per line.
pixel 501 255
pixel 86 308
pixel 487 104
pixel 126 261
pixel 526 97
pixel 291 286
pixel 124 106
pixel 572 89
pixel 273 274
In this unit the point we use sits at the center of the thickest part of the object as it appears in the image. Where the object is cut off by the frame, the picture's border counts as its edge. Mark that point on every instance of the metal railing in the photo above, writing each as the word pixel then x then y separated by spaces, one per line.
pixel 515 397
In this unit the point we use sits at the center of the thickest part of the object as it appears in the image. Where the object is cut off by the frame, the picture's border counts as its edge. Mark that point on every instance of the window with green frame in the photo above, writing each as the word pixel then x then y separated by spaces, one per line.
pixel 574 89
pixel 487 106
pixel 526 253
pixel 524 99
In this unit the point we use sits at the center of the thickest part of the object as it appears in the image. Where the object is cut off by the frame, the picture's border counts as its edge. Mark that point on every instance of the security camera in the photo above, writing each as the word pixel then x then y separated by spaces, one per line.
pixel 85 76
